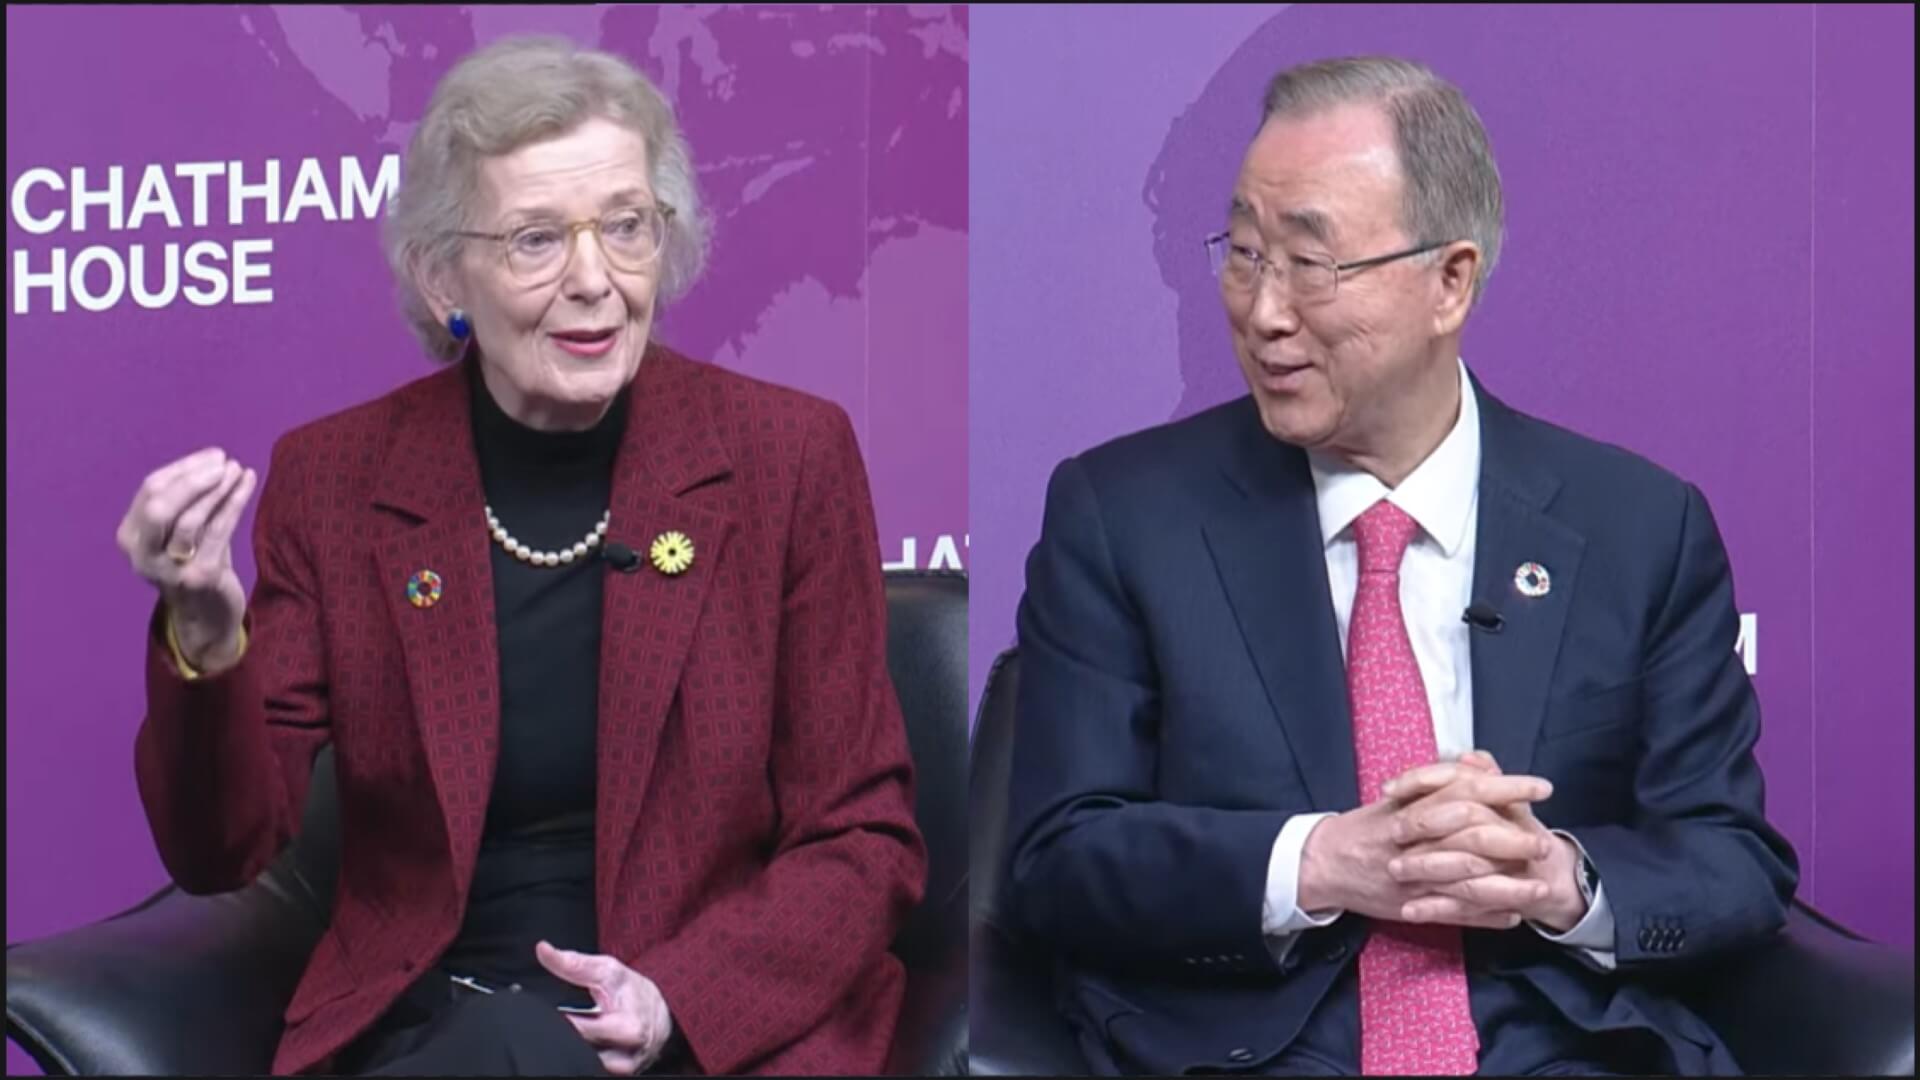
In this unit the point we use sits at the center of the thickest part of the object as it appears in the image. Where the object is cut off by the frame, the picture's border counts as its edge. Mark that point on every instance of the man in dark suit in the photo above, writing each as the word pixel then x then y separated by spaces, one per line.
pixel 1365 723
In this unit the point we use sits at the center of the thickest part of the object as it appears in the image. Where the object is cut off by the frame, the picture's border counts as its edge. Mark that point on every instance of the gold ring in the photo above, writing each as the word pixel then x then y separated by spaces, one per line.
pixel 180 556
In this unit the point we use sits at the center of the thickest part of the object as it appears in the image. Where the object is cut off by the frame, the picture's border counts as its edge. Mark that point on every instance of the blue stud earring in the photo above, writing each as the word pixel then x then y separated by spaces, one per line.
pixel 458 325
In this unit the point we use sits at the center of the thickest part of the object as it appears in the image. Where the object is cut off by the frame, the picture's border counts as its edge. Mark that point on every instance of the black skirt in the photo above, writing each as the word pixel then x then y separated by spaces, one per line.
pixel 441 1029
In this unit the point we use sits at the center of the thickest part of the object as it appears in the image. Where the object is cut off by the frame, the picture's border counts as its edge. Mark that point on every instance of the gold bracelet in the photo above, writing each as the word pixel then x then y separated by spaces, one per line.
pixel 188 671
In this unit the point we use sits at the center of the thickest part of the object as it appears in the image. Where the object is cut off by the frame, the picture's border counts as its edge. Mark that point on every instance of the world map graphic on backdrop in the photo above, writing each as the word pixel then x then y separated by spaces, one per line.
pixel 831 146
pixel 1767 384
pixel 759 178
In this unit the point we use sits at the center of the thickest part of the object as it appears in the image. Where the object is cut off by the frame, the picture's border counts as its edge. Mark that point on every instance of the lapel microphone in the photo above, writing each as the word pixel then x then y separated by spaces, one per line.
pixel 1480 616
pixel 622 558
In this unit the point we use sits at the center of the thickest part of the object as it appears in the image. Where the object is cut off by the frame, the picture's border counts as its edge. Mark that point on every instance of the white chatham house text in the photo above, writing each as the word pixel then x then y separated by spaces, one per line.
pixel 132 229
pixel 945 554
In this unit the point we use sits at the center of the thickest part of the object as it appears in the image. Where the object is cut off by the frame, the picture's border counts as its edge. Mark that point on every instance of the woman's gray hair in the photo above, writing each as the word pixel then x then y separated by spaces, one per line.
pixel 1452 184
pixel 517 91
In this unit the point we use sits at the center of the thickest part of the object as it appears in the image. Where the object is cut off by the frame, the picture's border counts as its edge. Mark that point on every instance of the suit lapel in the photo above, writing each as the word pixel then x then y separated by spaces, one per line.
pixel 661 482
pixel 1513 669
pixel 1265 541
pixel 667 457
pixel 451 647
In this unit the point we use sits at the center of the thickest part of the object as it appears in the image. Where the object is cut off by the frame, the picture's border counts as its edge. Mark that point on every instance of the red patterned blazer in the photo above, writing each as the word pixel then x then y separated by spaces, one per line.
pixel 755 842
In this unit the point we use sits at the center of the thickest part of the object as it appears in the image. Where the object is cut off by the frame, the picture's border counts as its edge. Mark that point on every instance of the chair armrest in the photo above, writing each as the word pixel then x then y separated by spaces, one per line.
pixel 180 985
pixel 1817 1000
pixel 930 1038
pixel 1020 1031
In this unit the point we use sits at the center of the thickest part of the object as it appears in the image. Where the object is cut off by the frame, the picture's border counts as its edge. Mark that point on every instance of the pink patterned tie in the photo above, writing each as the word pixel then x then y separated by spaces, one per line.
pixel 1414 1015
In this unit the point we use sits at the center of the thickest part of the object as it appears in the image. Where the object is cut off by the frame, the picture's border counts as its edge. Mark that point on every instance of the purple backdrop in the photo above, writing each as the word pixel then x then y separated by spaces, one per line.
pixel 1709 259
pixel 832 148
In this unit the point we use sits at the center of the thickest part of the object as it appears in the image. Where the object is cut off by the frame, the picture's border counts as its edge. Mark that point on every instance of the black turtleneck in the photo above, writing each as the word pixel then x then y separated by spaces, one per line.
pixel 534 876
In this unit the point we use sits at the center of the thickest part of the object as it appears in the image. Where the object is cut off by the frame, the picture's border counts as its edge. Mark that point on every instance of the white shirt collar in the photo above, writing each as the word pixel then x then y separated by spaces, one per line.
pixel 1438 494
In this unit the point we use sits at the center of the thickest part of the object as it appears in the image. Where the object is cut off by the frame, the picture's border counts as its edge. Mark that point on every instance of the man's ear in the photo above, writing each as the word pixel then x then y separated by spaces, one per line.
pixel 1459 266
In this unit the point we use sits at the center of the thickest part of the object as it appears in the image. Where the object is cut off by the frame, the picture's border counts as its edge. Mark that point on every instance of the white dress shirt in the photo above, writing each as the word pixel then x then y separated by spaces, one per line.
pixel 1436 584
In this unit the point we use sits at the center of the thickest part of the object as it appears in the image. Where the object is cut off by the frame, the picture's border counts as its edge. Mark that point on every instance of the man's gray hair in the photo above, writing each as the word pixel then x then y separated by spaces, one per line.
pixel 1452 184
pixel 517 91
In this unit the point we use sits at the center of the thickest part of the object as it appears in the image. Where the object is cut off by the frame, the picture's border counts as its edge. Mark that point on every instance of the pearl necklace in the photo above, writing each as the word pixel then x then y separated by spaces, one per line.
pixel 562 557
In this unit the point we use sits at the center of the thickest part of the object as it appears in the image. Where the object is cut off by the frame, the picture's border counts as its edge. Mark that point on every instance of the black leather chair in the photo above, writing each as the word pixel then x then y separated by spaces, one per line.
pixel 197 985
pixel 1819 1000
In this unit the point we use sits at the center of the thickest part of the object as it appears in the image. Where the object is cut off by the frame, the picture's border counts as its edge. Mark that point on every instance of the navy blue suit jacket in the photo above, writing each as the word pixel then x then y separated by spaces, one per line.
pixel 1183 693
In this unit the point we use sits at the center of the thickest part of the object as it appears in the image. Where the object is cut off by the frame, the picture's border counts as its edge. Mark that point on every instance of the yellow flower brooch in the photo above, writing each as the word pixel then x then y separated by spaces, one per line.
pixel 671 552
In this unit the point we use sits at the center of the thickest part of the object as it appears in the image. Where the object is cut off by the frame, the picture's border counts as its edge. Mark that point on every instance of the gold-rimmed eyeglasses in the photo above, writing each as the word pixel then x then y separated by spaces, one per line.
pixel 631 238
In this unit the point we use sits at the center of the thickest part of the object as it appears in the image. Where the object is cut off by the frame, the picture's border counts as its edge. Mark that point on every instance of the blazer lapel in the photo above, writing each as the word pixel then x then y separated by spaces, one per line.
pixel 1266 547
pixel 451 646
pixel 662 482
pixel 1513 669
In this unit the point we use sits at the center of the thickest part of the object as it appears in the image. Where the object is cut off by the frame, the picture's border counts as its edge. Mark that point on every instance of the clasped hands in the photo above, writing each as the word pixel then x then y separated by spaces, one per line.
pixel 1455 843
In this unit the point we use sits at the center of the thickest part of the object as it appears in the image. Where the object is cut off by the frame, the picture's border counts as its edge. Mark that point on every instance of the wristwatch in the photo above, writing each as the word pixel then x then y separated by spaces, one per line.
pixel 1589 879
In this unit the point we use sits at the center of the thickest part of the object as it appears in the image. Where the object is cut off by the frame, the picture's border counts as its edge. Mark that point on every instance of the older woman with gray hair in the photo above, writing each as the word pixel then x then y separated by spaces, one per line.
pixel 596 633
